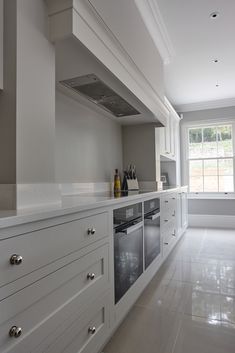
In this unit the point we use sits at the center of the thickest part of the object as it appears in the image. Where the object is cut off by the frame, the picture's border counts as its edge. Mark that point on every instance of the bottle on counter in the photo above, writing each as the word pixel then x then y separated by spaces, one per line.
pixel 117 182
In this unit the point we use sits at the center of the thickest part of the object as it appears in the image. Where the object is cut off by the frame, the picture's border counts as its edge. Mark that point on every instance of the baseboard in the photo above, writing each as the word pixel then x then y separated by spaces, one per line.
pixel 211 221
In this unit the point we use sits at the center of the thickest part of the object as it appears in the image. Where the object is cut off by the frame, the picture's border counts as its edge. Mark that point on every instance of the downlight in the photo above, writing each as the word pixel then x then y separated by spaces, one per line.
pixel 214 15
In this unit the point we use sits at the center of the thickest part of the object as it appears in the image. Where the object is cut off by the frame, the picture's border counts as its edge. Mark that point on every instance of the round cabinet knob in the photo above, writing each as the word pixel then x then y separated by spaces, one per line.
pixel 91 231
pixel 92 330
pixel 16 259
pixel 15 331
pixel 165 220
pixel 166 243
pixel 90 276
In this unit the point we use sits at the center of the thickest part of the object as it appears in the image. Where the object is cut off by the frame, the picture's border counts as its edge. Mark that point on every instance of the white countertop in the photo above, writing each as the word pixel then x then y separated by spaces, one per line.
pixel 72 204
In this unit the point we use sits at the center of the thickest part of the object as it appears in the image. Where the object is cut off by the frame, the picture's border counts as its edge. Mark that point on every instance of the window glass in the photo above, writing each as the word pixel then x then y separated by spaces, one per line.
pixel 225 147
pixel 211 159
pixel 195 143
pixel 209 142
pixel 196 184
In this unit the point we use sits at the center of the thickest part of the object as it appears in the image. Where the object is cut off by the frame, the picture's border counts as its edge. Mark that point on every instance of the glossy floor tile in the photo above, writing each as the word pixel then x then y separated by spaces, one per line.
pixel 189 306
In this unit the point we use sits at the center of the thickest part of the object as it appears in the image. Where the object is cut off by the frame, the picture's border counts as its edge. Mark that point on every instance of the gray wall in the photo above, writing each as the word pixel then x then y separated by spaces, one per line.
pixel 88 145
pixel 139 149
pixel 210 207
pixel 35 94
pixel 8 99
pixel 27 103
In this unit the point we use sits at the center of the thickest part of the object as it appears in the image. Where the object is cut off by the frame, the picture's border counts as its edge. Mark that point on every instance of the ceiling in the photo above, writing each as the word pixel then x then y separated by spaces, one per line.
pixel 191 76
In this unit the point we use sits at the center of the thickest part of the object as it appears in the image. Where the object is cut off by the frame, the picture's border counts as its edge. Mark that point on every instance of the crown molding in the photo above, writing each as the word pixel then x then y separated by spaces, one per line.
pixel 151 15
pixel 219 103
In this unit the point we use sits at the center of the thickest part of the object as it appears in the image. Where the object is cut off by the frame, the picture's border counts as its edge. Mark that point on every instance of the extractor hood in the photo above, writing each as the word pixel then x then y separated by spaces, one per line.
pixel 86 48
pixel 93 88
pixel 81 76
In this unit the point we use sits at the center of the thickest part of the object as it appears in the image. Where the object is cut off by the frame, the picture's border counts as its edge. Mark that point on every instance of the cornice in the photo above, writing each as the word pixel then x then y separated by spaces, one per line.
pixel 151 16
pixel 219 103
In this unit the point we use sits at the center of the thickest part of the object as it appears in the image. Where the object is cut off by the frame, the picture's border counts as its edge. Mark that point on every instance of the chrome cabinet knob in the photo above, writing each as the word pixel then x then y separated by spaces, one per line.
pixel 166 201
pixel 15 331
pixel 92 330
pixel 166 243
pixel 91 231
pixel 90 276
pixel 165 220
pixel 16 259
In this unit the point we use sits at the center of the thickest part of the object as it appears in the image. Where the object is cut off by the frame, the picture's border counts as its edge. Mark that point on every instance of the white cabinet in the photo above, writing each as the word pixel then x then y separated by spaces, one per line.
pixel 1 44
pixel 184 209
pixel 182 202
pixel 169 227
pixel 58 295
pixel 169 135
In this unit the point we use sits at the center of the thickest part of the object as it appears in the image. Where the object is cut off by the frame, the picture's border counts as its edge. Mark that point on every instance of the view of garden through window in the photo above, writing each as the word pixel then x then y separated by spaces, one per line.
pixel 211 159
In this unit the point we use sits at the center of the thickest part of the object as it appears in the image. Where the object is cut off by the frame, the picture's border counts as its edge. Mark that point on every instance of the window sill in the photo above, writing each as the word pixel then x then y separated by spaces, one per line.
pixel 212 196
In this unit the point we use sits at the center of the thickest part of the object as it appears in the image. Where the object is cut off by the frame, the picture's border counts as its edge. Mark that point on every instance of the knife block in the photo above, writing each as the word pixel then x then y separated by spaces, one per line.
pixel 132 184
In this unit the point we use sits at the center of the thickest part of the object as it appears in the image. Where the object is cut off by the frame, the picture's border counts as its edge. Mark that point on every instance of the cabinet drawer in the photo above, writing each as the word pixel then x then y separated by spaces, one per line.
pixel 33 305
pixel 45 246
pixel 84 335
pixel 68 330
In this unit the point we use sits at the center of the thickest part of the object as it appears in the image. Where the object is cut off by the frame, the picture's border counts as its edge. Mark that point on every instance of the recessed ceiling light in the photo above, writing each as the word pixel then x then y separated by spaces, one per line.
pixel 214 15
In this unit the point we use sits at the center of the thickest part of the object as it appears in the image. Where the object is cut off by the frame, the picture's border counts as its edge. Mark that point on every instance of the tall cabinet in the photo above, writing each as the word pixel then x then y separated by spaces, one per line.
pixel 169 134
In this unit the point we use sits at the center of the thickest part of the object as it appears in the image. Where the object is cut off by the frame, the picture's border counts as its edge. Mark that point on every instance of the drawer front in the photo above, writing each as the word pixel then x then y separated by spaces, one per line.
pixel 84 335
pixel 69 330
pixel 29 307
pixel 45 246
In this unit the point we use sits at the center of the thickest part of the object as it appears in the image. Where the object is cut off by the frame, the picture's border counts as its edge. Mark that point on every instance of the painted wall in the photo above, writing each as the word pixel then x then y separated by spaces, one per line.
pixel 1 44
pixel 139 149
pixel 211 207
pixel 88 145
pixel 35 94
pixel 8 98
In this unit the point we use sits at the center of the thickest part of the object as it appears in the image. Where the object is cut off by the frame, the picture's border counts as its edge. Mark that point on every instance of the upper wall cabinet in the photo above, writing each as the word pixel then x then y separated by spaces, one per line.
pixel 115 34
pixel 1 44
pixel 169 135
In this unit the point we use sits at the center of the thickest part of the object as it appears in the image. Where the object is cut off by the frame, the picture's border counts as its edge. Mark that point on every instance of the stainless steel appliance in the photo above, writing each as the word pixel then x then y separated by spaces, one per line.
pixel 152 235
pixel 128 247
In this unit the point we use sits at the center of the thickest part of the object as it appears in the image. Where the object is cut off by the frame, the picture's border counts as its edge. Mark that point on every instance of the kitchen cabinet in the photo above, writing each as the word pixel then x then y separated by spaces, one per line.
pixel 184 210
pixel 169 226
pixel 182 204
pixel 169 135
pixel 57 274
pixel 1 44
pixel 58 296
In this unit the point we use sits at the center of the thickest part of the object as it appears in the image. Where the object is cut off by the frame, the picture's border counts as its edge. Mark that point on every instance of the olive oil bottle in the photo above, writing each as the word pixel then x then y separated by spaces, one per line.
pixel 117 182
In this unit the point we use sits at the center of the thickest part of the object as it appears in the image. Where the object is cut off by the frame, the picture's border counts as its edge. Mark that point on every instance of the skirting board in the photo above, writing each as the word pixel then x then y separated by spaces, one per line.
pixel 211 221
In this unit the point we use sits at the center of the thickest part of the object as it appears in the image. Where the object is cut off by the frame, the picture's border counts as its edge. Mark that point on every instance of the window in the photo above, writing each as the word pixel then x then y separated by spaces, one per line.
pixel 210 158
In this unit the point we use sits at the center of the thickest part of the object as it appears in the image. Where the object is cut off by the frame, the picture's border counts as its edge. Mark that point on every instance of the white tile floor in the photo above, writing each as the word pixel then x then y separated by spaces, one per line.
pixel 189 306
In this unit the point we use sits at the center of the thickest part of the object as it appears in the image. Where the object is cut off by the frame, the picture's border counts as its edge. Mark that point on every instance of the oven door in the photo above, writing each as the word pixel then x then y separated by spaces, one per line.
pixel 152 237
pixel 128 257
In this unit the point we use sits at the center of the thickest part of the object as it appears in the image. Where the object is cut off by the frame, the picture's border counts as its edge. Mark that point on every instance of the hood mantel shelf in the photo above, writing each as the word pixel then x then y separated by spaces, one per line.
pixel 78 19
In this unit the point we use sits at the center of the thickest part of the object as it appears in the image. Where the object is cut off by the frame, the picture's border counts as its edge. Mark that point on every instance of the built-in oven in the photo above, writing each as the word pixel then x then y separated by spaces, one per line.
pixel 152 235
pixel 128 247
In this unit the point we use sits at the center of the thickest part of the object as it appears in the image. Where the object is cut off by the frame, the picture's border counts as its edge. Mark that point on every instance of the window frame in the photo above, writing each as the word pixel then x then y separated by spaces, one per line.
pixel 185 154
